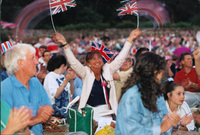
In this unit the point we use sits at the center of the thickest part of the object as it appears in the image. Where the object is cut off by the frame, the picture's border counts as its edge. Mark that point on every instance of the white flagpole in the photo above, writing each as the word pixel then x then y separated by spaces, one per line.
pixel 51 17
pixel 150 45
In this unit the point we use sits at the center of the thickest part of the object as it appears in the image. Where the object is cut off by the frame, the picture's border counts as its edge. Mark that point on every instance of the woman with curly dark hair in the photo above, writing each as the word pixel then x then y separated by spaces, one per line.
pixel 142 109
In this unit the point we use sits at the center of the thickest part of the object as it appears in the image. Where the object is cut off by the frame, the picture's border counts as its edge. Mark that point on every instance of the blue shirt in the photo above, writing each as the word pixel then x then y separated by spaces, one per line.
pixel 78 84
pixel 16 94
pixel 135 119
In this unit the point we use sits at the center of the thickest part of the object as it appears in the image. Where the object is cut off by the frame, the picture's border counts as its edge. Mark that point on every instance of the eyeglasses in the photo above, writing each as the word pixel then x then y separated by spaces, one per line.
pixel 128 59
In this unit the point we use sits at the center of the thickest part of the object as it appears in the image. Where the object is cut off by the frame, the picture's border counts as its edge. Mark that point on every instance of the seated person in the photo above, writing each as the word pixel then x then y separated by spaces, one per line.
pixel 174 96
pixel 141 51
pixel 170 66
pixel 59 87
pixel 46 56
pixel 121 76
pixel 188 78
pixel 42 67
pixel 78 84
pixel 22 88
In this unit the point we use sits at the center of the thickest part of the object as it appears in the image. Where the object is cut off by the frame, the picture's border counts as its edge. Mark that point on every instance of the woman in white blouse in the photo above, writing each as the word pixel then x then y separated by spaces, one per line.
pixel 174 96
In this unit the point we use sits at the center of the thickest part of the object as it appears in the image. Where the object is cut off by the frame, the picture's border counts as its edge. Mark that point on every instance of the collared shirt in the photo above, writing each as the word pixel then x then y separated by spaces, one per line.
pixel 183 110
pixel 133 118
pixel 15 94
pixel 181 77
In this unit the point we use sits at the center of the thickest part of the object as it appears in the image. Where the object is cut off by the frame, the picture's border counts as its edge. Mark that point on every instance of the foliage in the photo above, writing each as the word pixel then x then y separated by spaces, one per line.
pixel 182 25
pixel 102 14
pixel 146 24
pixel 85 26
pixel 126 24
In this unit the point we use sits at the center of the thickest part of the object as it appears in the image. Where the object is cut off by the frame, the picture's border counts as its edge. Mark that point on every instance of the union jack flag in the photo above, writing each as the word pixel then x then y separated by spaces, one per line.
pixel 129 8
pixel 7 24
pixel 5 46
pixel 105 52
pixel 61 5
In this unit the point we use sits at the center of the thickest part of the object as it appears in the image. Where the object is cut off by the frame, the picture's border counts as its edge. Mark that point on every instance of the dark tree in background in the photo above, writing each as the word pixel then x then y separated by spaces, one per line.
pixel 184 10
pixel 103 11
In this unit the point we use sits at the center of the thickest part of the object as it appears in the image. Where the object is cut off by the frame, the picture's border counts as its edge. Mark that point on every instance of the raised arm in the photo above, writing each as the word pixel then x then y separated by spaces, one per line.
pixel 61 88
pixel 59 38
pixel 134 35
pixel 196 55
pixel 71 59
pixel 119 60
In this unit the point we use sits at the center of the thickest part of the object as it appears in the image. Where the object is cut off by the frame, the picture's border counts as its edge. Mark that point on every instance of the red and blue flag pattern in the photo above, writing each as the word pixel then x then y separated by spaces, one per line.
pixel 105 52
pixel 5 46
pixel 129 8
pixel 61 5
pixel 8 25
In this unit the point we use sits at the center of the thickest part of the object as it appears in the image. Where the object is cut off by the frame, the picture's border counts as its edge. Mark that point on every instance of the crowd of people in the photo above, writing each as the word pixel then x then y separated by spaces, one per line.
pixel 150 86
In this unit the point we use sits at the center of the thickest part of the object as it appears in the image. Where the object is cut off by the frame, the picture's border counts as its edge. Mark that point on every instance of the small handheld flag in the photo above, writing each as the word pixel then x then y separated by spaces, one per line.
pixel 7 24
pixel 129 8
pixel 61 5
pixel 56 6
pixel 105 52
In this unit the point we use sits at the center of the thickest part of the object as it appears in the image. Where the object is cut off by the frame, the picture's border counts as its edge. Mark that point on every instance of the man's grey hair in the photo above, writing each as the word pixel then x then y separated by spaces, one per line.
pixel 17 52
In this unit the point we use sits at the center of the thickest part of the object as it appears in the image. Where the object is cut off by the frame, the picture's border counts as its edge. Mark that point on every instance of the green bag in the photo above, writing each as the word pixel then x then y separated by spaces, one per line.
pixel 81 121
